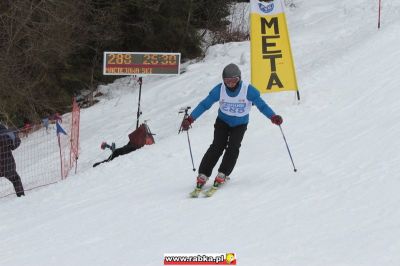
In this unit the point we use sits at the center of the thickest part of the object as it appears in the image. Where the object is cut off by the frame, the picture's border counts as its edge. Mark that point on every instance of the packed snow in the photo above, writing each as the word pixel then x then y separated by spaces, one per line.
pixel 342 206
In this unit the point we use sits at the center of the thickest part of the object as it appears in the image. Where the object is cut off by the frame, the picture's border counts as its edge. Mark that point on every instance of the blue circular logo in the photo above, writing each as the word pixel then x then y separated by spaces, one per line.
pixel 266 9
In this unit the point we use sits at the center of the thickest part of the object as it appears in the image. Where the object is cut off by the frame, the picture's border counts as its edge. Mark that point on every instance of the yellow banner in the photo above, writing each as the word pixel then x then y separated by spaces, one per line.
pixel 272 66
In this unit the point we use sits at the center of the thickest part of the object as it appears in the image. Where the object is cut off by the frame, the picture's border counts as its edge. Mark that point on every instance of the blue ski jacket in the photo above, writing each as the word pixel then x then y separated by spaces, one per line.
pixel 253 95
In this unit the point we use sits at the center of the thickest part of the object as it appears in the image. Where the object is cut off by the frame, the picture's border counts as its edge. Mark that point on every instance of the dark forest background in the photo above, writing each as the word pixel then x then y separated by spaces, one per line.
pixel 51 50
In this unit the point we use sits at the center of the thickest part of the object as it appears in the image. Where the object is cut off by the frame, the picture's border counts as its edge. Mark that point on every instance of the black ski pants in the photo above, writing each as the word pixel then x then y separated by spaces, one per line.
pixel 225 138
pixel 122 151
pixel 117 152
pixel 15 179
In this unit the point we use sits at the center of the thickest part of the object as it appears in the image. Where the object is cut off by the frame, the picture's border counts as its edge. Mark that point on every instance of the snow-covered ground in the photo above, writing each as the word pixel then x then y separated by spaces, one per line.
pixel 342 207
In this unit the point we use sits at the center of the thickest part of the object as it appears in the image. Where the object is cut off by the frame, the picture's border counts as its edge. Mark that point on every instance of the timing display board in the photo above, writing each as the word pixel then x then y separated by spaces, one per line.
pixel 131 63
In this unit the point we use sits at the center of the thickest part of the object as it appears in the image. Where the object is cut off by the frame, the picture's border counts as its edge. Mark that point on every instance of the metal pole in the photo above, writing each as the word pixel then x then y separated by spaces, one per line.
pixel 379 15
pixel 61 162
pixel 139 112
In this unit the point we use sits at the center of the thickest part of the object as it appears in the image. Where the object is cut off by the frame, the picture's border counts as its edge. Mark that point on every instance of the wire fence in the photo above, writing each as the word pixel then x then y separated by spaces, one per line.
pixel 44 156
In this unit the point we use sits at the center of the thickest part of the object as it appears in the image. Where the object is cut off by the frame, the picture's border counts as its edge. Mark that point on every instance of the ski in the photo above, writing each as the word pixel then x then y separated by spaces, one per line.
pixel 104 161
pixel 210 192
pixel 195 193
pixel 207 193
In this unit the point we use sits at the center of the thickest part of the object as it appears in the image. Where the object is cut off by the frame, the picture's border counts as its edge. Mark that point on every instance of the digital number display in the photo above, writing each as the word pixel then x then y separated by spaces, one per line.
pixel 127 63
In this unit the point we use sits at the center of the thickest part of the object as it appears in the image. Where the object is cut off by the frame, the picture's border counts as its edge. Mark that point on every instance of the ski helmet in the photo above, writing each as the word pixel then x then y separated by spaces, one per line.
pixel 231 71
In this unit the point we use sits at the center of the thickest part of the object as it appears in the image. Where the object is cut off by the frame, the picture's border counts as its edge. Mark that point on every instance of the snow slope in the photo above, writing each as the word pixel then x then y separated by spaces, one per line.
pixel 341 208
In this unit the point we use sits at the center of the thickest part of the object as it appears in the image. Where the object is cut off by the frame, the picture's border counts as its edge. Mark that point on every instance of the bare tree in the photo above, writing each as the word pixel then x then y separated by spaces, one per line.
pixel 36 37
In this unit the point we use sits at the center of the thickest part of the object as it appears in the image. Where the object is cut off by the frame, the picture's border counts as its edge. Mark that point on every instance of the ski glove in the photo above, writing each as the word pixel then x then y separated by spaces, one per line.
pixel 277 120
pixel 186 123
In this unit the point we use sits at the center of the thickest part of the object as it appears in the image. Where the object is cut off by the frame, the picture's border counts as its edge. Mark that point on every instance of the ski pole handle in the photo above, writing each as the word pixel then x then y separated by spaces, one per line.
pixel 186 115
pixel 184 109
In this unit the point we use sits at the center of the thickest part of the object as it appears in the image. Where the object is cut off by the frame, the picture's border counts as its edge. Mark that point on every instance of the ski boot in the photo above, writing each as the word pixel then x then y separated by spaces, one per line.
pixel 201 180
pixel 219 180
pixel 112 147
pixel 104 145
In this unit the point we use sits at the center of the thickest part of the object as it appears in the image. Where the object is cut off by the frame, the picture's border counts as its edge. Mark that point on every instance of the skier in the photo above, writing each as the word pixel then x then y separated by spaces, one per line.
pixel 27 128
pixel 45 122
pixel 9 141
pixel 137 139
pixel 235 100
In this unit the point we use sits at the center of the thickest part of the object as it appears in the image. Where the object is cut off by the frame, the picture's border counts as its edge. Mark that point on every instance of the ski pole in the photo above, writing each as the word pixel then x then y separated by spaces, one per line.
pixel 190 150
pixel 379 15
pixel 186 115
pixel 287 147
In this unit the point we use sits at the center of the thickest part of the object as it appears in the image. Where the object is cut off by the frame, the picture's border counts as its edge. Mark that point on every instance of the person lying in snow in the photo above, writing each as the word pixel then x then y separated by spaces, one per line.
pixel 137 139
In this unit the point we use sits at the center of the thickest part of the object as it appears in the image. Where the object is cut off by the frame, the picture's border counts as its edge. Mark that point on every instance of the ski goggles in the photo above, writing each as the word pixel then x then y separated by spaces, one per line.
pixel 231 80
